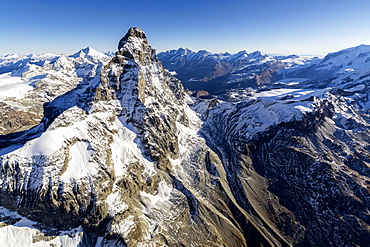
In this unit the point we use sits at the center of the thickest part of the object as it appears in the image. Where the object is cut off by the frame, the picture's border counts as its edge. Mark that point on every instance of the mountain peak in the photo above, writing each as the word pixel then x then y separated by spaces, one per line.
pixel 135 46
pixel 134 35
pixel 90 54
pixel 89 50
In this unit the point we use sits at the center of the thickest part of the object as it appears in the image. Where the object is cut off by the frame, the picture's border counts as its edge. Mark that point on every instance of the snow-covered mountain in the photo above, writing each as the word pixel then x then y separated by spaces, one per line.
pixel 216 73
pixel 27 82
pixel 125 157
pixel 339 69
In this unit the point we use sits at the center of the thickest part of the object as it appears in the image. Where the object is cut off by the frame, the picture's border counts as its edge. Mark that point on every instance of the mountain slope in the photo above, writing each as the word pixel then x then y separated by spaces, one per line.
pixel 335 69
pixel 300 166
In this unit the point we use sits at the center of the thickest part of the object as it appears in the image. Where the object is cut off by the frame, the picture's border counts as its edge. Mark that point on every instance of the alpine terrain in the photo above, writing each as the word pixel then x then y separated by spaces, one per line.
pixel 111 150
pixel 217 73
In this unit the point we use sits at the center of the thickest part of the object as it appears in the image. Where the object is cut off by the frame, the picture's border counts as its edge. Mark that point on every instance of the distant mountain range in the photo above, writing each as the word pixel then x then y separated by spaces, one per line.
pixel 218 73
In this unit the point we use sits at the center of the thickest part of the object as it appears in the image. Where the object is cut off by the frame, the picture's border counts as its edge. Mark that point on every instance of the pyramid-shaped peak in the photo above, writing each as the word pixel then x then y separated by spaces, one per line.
pixel 134 34
pixel 89 50
pixel 85 51
pixel 90 54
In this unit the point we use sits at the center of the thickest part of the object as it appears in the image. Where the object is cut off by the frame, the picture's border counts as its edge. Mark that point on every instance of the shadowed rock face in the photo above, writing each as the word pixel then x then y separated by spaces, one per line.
pixel 125 158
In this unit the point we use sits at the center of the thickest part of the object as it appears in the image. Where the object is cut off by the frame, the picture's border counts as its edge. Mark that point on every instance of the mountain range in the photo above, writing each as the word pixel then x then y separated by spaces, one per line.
pixel 112 149
pixel 217 73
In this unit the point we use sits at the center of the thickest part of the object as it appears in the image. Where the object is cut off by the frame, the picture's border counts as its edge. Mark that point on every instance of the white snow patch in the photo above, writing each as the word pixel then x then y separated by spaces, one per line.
pixel 303 108
pixel 79 165
pixel 125 150
pixel 291 81
pixel 13 86
pixel 23 233
pixel 187 140
pixel 46 144
pixel 163 194
pixel 115 204
pixel 297 94
pixel 349 70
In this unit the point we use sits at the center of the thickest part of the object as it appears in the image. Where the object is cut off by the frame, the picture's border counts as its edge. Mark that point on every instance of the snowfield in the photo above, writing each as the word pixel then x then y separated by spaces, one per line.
pixel 25 233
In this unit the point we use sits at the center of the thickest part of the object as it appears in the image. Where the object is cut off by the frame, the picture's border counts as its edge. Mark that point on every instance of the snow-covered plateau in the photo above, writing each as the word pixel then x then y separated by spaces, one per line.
pixel 112 150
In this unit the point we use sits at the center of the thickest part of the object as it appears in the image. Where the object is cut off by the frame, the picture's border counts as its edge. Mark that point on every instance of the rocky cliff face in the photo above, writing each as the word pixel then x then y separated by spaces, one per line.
pixel 126 158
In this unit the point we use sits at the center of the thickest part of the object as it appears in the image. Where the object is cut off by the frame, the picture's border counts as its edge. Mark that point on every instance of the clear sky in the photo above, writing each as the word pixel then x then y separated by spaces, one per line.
pixel 313 27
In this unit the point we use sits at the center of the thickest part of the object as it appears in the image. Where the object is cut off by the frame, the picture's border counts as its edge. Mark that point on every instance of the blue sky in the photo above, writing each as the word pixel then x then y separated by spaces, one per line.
pixel 313 27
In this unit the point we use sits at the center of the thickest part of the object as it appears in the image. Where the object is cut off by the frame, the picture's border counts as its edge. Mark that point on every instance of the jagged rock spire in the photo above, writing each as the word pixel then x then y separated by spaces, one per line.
pixel 134 33
pixel 134 45
pixel 144 88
